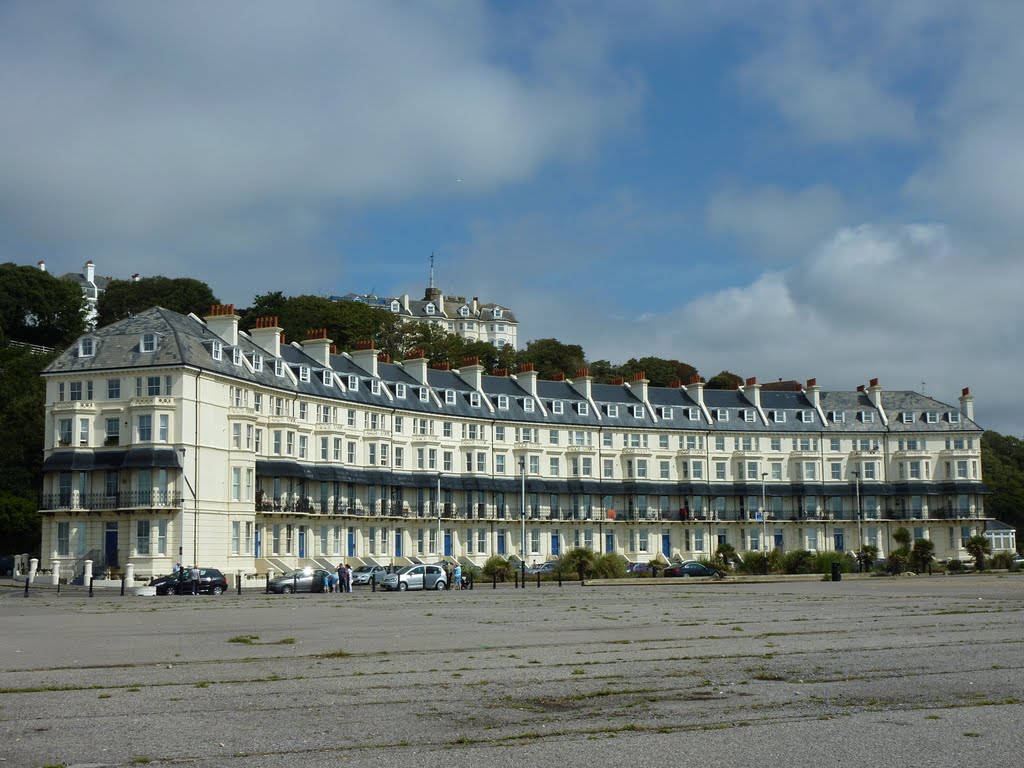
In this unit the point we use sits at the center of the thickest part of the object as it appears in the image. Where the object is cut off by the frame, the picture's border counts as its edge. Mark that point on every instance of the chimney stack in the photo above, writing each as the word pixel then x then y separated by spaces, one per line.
pixel 223 322
pixel 967 404
pixel 365 356
pixel 472 373
pixel 752 391
pixel 582 382
pixel 42 265
pixel 416 365
pixel 90 272
pixel 639 386
pixel 527 378
pixel 318 346
pixel 267 335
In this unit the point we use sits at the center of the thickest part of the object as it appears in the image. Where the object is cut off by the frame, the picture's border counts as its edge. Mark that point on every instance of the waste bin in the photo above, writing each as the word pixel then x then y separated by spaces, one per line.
pixel 836 573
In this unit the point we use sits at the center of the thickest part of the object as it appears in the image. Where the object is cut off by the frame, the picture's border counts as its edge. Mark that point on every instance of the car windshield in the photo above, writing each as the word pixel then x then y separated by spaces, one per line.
pixel 299 574
pixel 407 569
pixel 363 569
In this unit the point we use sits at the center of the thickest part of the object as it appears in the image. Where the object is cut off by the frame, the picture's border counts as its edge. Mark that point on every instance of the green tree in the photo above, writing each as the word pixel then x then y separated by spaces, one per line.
pixel 866 556
pixel 498 566
pixel 725 554
pixel 978 546
pixel 19 525
pixel 659 371
pixel 609 566
pixel 551 357
pixel 922 555
pixel 724 380
pixel 125 298
pixel 22 418
pixel 1002 465
pixel 38 308
pixel 577 563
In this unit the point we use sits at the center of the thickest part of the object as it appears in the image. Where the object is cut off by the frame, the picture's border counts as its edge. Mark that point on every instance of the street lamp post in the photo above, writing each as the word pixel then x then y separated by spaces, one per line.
pixel 439 509
pixel 764 511
pixel 195 515
pixel 860 538
pixel 522 518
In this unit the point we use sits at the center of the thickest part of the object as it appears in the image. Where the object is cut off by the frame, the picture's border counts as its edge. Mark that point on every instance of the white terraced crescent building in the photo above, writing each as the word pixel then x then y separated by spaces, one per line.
pixel 178 438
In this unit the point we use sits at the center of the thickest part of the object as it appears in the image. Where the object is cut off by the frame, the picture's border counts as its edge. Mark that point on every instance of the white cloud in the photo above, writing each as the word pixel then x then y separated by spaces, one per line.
pixel 775 222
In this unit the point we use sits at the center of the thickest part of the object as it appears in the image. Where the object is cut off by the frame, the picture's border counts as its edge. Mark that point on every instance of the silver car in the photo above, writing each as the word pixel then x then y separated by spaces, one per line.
pixel 364 573
pixel 411 577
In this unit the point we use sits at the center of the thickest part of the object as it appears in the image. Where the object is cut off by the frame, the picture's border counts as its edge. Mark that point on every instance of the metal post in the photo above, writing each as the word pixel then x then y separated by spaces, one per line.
pixel 267 590
pixel 860 537
pixel 522 504
pixel 27 582
pixel 91 580
pixel 122 585
pixel 239 582
pixel 494 580
pixel 440 546
pixel 764 513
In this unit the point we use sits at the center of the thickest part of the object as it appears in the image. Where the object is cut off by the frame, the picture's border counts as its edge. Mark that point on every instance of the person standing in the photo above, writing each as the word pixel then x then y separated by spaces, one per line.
pixel 457 576
pixel 348 577
pixel 341 577
pixel 176 569
pixel 193 576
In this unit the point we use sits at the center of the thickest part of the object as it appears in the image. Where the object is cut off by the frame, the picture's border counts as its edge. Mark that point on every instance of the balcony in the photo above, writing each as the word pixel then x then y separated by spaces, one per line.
pixel 154 499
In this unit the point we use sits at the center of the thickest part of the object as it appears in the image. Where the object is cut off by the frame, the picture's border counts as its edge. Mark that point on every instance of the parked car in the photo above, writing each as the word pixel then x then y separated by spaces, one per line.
pixel 211 582
pixel 692 568
pixel 412 576
pixel 1018 560
pixel 301 580
pixel 364 573
pixel 635 569
pixel 550 567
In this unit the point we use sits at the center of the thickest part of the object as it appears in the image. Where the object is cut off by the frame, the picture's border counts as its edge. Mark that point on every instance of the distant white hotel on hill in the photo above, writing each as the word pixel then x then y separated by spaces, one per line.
pixel 470 319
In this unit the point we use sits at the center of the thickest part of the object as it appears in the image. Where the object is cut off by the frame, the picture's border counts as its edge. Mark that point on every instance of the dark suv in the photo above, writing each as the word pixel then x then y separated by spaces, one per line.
pixel 211 582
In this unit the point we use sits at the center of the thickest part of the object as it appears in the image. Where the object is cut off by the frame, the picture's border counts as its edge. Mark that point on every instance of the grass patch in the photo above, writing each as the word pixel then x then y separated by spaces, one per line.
pixel 244 639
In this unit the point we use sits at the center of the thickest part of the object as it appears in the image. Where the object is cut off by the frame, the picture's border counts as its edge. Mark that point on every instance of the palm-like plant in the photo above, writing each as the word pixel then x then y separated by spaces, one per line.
pixel 978 547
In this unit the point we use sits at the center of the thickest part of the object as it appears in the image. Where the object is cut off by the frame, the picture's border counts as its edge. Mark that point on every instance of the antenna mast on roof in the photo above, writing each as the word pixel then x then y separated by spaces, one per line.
pixel 431 269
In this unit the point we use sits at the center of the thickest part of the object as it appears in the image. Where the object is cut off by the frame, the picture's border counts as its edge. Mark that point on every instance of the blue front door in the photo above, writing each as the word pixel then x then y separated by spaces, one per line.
pixel 609 542
pixel 666 544
pixel 258 541
pixel 555 544
pixel 448 543
pixel 302 541
pixel 351 542
pixel 501 543
pixel 839 541
pixel 110 545
pixel 398 542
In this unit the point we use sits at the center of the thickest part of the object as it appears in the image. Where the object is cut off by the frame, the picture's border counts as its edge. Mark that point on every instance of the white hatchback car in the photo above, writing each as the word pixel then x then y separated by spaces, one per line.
pixel 412 577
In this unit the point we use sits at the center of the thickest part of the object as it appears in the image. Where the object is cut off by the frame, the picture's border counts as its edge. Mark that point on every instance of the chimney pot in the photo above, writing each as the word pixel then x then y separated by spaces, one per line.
pixel 874 382
pixel 751 381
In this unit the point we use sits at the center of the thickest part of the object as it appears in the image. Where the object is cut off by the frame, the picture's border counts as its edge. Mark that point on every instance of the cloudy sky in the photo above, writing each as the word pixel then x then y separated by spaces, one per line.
pixel 779 189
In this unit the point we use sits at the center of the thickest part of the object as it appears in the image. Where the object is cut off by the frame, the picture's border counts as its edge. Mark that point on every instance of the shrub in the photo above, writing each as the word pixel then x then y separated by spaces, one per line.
pixel 1003 560
pixel 754 563
pixel 955 566
pixel 577 563
pixel 497 565
pixel 798 561
pixel 823 562
pixel 610 566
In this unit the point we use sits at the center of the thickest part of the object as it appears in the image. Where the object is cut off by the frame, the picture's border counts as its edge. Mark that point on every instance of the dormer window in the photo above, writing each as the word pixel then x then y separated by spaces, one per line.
pixel 449 397
pixel 148 342
pixel 613 411
pixel 528 404
pixel 304 373
pixel 257 363
pixel 424 395
pixel 429 309
pixel 216 350
pixel 374 387
pixel 721 414
pixel 236 356
pixel 353 383
pixel 86 347
pixel 584 409
pixel 779 417
pixel 693 414
pixel 474 399
pixel 838 417
pixel 556 407
pixel 931 417
pixel 907 417
pixel 497 313
pixel 868 417
pixel 806 417
pixel 502 402
pixel 748 416
pixel 326 378
pixel 954 417
pixel 463 311
pixel 400 391
pixel 666 413
pixel 279 368
pixel 396 307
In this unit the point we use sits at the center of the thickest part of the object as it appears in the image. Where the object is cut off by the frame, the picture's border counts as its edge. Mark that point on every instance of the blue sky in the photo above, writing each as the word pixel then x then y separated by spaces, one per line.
pixel 780 189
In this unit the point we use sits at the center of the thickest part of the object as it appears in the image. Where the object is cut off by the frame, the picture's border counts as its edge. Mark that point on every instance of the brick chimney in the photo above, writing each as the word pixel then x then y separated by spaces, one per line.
pixel 223 322
pixel 527 378
pixel 752 391
pixel 582 383
pixel 695 389
pixel 267 335
pixel 318 346
pixel 813 392
pixel 875 395
pixel 472 373
pixel 639 386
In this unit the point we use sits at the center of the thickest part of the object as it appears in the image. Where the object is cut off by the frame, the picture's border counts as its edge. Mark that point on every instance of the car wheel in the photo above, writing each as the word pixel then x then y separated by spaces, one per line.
pixel 440 586
pixel 402 586
pixel 174 590
pixel 217 589
pixel 286 589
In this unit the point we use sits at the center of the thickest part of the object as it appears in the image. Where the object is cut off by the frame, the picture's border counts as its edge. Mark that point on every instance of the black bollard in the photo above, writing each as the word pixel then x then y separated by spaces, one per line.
pixel 494 580
pixel 91 580
pixel 239 582
pixel 559 577
pixel 515 575
pixel 268 583
pixel 470 579
pixel 295 584
pixel 373 582
pixel 28 579
pixel 122 585
pixel 538 579
pixel 58 586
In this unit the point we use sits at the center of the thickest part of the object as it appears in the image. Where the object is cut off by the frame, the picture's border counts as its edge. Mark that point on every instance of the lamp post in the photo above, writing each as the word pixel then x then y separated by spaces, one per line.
pixel 439 509
pixel 860 539
pixel 522 518
pixel 195 515
pixel 764 511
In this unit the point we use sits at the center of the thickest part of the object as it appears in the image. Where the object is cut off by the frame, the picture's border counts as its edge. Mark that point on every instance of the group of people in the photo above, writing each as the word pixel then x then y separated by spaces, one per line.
pixel 193 576
pixel 340 580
